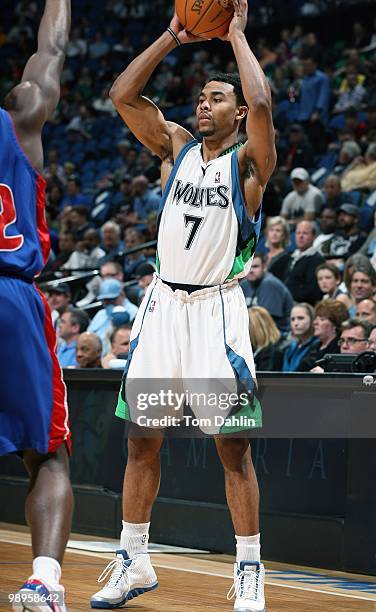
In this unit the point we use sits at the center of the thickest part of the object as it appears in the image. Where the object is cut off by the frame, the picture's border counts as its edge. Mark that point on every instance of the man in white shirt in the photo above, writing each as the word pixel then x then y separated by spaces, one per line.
pixel 304 202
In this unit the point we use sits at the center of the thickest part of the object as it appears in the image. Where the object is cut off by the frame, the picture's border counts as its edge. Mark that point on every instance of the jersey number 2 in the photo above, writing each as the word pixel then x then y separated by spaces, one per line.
pixel 196 222
pixel 8 215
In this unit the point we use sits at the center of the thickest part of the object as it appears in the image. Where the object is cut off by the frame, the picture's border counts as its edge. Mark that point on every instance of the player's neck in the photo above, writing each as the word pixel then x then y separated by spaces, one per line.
pixel 213 149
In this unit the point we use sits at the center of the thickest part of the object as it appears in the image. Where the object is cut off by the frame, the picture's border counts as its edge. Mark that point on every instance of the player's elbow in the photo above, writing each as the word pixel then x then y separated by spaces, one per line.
pixel 261 103
pixel 120 94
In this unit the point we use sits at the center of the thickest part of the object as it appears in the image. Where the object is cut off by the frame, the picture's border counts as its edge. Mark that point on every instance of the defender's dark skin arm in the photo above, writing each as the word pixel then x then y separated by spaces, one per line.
pixel 33 101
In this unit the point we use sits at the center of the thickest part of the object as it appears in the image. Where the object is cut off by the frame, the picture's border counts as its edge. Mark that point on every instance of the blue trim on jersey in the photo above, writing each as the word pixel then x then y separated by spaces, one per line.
pixel 246 225
pixel 171 178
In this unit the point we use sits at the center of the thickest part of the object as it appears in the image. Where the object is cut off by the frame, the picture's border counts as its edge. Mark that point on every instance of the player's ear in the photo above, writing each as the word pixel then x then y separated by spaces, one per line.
pixel 241 112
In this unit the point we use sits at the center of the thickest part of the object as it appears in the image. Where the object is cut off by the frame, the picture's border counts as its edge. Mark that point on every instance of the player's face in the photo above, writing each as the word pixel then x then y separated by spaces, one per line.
pixel 216 109
pixel 327 281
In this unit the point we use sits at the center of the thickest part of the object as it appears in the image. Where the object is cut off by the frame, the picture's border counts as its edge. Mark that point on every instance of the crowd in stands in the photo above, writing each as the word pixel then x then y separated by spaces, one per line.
pixel 312 288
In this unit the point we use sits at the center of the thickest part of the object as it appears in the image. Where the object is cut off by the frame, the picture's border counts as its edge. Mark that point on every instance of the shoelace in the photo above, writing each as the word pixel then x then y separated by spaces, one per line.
pixel 118 567
pixel 248 589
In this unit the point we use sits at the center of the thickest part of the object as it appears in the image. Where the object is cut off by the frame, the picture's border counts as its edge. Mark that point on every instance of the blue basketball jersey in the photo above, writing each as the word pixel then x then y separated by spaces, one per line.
pixel 24 237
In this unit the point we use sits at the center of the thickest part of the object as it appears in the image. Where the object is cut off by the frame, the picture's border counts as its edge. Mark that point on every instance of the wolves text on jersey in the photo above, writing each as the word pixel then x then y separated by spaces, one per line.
pixel 201 196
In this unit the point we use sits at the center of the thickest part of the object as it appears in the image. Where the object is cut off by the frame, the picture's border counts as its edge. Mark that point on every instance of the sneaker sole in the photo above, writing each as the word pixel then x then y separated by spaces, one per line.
pixel 104 605
pixel 246 610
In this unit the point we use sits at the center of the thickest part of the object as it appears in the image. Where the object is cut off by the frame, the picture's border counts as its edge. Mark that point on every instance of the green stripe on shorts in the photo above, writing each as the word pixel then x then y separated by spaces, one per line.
pixel 122 408
pixel 249 417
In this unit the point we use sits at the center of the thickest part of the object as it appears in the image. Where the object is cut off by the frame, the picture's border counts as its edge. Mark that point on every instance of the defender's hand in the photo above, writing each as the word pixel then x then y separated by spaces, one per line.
pixel 183 36
pixel 239 20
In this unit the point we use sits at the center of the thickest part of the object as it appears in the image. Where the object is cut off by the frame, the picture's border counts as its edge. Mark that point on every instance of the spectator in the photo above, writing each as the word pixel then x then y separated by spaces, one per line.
pixel 145 200
pixel 329 316
pixel 133 239
pixel 71 324
pixel 353 96
pixel 112 269
pixel 314 102
pixel 79 221
pixel 300 278
pixel 67 245
pixel 329 279
pixel 109 269
pixel 362 172
pixel 74 197
pixel 328 225
pixel 277 241
pixel 265 338
pixel 363 285
pixel 304 201
pixel 372 340
pixel 144 274
pixel 89 349
pixel 120 341
pixel 261 288
pixel 87 253
pixel 111 294
pixel 366 309
pixel 299 152
pixel 99 47
pixel 301 321
pixel 103 104
pixel 59 299
pixel 111 243
pixel 333 192
pixel 348 238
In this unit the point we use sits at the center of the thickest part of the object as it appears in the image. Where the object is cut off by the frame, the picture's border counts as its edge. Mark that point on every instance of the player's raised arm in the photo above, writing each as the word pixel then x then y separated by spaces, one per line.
pixel 141 115
pixel 258 158
pixel 36 97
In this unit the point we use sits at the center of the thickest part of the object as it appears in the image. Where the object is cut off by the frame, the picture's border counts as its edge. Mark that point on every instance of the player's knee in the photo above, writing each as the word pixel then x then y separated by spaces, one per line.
pixel 234 454
pixel 143 450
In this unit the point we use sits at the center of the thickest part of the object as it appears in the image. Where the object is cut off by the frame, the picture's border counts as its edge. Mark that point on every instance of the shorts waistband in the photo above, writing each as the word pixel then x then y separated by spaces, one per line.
pixel 30 281
pixel 198 292
pixel 188 288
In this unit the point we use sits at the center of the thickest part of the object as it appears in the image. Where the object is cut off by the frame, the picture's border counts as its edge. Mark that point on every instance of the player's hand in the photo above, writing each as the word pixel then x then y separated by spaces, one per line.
pixel 239 20
pixel 182 34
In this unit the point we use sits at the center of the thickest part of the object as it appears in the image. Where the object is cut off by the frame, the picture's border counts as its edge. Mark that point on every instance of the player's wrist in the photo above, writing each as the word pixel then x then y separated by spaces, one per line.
pixel 237 35
pixel 174 36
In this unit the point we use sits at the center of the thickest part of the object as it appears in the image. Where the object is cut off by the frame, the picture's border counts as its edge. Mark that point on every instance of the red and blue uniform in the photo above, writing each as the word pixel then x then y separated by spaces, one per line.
pixel 33 403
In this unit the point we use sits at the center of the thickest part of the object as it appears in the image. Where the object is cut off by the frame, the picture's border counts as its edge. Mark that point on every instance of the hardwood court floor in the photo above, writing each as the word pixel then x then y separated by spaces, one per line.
pixel 187 584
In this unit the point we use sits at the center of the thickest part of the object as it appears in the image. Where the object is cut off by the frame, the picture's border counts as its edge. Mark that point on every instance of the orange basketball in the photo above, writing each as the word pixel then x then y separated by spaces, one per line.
pixel 205 18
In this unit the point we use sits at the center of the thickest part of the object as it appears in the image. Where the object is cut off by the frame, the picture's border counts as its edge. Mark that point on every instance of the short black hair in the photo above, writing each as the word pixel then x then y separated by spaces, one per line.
pixel 233 79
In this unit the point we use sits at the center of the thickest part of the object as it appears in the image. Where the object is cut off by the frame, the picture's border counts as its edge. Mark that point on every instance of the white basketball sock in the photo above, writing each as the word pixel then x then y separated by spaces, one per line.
pixel 248 548
pixel 48 569
pixel 134 538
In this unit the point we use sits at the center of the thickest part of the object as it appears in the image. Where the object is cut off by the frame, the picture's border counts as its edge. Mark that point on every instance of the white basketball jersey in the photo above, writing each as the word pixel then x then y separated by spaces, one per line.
pixel 205 236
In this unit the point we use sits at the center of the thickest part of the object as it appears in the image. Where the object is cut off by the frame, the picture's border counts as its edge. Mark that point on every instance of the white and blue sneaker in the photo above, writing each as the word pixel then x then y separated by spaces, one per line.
pixel 129 578
pixel 38 596
pixel 248 587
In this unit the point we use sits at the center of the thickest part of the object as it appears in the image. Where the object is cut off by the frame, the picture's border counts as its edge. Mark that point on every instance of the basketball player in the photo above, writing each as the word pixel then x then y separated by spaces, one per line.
pixel 33 409
pixel 193 320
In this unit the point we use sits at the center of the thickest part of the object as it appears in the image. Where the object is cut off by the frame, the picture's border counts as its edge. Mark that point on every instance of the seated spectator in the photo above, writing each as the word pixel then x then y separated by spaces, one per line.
pixel 353 96
pixel 71 324
pixel 145 200
pixel 144 274
pixel 368 247
pixel 109 269
pixel 372 340
pixel 111 243
pixel 333 192
pixel 120 341
pixel 348 239
pixel 329 316
pixel 79 221
pixel 59 299
pixel 87 253
pixel 328 225
pixel 111 294
pixel 354 339
pixel 261 288
pixel 299 153
pixel 304 202
pixel 67 246
pixel 89 350
pixel 366 309
pixel 73 196
pixel 329 279
pixel 362 172
pixel 363 284
pixel 132 239
pixel 265 338
pixel 103 104
pixel 301 321
pixel 300 276
pixel 277 234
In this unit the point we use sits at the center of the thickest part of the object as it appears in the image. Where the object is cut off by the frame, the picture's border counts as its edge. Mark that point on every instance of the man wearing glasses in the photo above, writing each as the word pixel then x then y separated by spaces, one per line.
pixel 354 336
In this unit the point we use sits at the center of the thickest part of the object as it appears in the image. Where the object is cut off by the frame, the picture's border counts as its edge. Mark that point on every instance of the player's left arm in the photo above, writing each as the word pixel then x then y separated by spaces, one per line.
pixel 257 158
pixel 33 101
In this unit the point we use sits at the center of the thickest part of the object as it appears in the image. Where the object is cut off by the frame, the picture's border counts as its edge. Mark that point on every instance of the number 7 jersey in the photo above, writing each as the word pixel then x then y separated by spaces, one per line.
pixel 205 236
pixel 24 237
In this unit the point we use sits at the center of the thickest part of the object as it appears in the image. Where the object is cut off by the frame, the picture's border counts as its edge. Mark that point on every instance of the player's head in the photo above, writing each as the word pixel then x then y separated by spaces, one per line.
pixel 221 105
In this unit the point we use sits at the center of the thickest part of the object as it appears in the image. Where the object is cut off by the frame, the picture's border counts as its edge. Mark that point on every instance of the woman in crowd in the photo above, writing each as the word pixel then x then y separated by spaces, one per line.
pixel 329 316
pixel 277 235
pixel 301 320
pixel 265 340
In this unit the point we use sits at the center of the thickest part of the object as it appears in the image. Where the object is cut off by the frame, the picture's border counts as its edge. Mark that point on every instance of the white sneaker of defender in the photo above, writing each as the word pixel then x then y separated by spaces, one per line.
pixel 129 578
pixel 248 587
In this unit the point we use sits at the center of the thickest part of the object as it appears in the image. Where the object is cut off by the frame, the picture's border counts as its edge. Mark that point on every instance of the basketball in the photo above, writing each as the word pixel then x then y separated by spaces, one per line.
pixel 205 18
